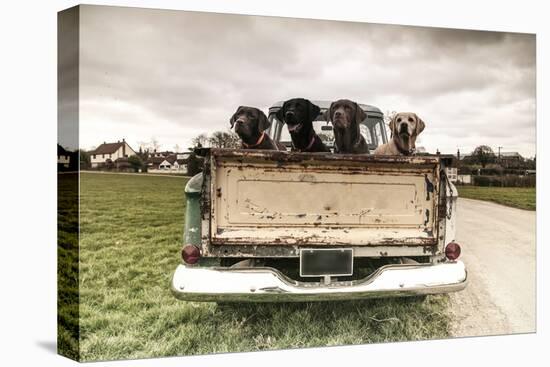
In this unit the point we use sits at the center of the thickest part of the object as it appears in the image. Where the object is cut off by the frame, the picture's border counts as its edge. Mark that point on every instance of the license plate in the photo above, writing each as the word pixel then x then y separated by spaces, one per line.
pixel 322 262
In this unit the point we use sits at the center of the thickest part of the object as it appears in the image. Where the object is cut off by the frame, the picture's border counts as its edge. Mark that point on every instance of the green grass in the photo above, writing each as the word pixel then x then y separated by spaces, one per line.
pixel 517 197
pixel 131 233
pixel 67 265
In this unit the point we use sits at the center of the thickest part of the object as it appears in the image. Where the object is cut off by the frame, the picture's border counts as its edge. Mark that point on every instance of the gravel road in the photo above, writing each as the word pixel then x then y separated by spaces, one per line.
pixel 498 248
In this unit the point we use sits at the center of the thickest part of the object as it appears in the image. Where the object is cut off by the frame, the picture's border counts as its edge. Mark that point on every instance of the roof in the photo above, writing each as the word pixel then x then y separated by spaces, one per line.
pixel 108 148
pixel 509 154
pixel 62 151
pixel 156 160
pixel 324 105
pixel 171 158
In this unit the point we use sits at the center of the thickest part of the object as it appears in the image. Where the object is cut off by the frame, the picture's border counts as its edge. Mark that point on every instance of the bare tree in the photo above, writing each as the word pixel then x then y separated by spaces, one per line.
pixel 388 116
pixel 200 140
pixel 223 139
pixel 143 145
pixel 155 143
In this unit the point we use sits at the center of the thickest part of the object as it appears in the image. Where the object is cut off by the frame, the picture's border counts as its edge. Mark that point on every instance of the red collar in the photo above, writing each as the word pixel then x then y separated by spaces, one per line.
pixel 260 140
pixel 309 145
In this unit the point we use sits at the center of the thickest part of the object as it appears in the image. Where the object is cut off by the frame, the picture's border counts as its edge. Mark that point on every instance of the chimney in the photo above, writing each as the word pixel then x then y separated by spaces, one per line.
pixel 123 147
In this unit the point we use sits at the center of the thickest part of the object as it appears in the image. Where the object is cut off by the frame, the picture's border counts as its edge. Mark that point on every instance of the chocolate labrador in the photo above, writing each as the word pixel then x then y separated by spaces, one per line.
pixel 404 127
pixel 250 124
pixel 346 117
pixel 299 114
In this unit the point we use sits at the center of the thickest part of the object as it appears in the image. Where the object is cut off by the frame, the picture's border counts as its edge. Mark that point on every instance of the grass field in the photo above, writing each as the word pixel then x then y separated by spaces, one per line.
pixel 517 197
pixel 131 233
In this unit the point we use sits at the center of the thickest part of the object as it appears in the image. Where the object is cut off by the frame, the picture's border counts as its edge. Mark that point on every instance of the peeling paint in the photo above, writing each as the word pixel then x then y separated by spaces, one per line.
pixel 268 217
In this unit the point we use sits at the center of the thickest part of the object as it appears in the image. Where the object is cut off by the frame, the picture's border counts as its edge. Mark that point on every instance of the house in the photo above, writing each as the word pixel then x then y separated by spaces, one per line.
pixel 452 173
pixel 63 158
pixel 174 162
pixel 110 152
pixel 153 163
pixel 464 179
pixel 155 154
pixel 510 159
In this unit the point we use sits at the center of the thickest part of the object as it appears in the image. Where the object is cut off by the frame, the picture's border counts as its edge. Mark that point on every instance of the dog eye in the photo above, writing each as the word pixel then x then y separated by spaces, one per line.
pixel 410 119
pixel 399 119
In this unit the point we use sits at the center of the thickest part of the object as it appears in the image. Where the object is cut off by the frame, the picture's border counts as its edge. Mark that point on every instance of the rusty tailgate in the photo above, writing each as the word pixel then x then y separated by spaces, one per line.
pixel 282 198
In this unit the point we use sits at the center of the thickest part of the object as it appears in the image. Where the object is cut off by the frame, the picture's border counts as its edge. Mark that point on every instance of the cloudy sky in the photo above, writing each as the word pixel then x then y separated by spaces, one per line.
pixel 171 75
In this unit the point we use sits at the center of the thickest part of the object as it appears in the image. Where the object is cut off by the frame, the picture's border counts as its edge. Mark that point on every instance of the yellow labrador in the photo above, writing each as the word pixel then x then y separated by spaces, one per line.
pixel 405 127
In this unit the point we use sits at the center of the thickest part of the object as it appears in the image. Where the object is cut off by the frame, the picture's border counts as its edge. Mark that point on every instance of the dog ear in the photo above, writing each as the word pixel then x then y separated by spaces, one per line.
pixel 420 125
pixel 328 113
pixel 314 111
pixel 360 115
pixel 392 124
pixel 281 113
pixel 263 122
pixel 234 117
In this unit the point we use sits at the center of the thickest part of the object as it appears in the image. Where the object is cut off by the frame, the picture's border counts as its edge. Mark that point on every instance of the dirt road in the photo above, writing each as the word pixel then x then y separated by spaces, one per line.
pixel 498 245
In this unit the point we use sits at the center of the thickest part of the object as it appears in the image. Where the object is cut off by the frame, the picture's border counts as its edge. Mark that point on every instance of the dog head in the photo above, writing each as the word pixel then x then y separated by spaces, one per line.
pixel 249 123
pixel 345 114
pixel 298 113
pixel 405 127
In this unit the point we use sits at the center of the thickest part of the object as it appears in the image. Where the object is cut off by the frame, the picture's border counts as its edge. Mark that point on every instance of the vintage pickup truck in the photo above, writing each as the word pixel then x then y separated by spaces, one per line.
pixel 287 226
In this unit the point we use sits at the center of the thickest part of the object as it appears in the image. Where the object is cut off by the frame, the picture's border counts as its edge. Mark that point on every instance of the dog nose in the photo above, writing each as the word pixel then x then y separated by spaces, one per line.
pixel 289 114
pixel 403 127
pixel 337 114
pixel 239 121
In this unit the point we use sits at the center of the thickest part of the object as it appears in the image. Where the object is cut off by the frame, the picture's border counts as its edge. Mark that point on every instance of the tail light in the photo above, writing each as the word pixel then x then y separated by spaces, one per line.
pixel 452 251
pixel 190 254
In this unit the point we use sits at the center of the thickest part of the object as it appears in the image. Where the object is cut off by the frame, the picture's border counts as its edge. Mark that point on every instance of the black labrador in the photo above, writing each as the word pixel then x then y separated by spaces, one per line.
pixel 346 117
pixel 250 124
pixel 299 114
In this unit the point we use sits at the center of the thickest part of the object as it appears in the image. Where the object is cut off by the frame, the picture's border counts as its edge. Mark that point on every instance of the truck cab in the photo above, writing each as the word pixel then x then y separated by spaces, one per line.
pixel 269 226
pixel 372 127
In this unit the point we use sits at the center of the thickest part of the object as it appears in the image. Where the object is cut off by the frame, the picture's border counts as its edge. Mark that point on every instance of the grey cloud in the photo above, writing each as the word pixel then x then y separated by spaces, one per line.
pixel 173 73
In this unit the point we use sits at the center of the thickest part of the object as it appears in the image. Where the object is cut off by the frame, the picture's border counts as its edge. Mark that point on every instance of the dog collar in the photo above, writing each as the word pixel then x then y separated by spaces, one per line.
pixel 403 151
pixel 311 142
pixel 260 140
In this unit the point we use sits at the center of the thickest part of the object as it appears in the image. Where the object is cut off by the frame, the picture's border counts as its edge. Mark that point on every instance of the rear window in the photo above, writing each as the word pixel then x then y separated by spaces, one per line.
pixel 324 130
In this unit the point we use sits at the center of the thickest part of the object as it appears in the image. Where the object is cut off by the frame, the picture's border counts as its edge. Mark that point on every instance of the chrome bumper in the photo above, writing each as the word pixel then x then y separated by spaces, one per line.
pixel 270 285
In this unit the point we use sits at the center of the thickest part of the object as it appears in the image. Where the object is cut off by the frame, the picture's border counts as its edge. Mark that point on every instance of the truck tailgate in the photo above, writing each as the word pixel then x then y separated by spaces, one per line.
pixel 268 197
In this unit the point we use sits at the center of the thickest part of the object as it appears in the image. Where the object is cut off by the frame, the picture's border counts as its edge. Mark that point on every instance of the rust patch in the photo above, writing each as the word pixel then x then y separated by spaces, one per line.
pixel 307 158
